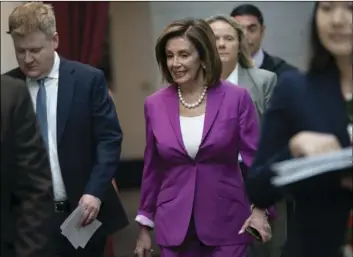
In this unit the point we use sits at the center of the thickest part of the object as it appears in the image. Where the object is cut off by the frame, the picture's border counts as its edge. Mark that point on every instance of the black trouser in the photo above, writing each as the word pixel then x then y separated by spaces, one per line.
pixel 63 247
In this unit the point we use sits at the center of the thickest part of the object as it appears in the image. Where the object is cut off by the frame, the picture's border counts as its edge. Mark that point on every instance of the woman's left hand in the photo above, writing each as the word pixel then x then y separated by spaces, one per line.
pixel 258 220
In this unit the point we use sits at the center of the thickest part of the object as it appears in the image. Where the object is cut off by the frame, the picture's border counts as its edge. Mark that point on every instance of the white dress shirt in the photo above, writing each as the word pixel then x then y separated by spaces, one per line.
pixel 51 84
pixel 233 77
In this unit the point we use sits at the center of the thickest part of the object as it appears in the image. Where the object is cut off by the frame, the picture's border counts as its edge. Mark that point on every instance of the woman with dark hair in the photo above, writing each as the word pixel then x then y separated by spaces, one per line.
pixel 307 116
pixel 192 191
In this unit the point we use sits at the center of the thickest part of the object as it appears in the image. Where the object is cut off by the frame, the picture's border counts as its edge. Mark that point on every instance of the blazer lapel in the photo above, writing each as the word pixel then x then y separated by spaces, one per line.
pixel 66 90
pixel 214 100
pixel 247 79
pixel 172 106
pixel 244 78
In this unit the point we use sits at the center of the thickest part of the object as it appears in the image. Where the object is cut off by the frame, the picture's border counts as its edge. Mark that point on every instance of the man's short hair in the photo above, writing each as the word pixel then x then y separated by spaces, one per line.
pixel 32 17
pixel 248 9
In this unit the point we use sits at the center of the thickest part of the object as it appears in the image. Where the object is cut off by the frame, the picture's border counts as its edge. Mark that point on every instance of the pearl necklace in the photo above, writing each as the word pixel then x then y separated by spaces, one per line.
pixel 193 105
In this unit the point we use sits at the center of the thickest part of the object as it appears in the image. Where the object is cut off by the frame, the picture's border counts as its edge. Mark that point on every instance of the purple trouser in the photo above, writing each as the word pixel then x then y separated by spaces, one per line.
pixel 193 247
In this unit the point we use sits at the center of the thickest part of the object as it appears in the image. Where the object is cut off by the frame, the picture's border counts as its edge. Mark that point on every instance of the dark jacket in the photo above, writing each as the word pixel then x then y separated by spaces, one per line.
pixel 26 186
pixel 304 102
pixel 89 140
pixel 275 64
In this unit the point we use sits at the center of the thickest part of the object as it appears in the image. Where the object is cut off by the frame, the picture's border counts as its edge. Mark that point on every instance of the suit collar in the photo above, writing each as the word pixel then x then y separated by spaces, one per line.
pixel 234 76
pixel 259 57
pixel 54 72
pixel 244 77
pixel 67 83
pixel 59 61
pixel 213 102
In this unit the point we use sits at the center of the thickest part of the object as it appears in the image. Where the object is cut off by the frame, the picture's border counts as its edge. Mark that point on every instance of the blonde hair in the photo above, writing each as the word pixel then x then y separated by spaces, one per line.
pixel 244 56
pixel 32 17
pixel 200 34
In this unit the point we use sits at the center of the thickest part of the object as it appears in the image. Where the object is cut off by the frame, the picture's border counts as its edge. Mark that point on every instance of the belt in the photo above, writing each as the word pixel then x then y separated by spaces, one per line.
pixel 61 206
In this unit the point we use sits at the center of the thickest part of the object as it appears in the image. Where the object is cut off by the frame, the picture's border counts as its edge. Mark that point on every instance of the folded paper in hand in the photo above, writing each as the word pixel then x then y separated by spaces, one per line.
pixel 295 170
pixel 77 235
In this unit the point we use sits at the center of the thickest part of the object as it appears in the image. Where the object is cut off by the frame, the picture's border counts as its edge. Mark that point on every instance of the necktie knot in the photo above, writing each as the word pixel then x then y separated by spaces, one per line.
pixel 41 82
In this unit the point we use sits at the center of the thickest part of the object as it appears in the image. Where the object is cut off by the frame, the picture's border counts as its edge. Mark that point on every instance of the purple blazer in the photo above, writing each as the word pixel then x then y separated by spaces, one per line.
pixel 211 186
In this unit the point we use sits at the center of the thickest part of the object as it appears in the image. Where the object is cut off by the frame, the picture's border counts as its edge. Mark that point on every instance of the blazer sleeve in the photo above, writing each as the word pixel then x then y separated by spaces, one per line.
pixel 33 193
pixel 248 129
pixel 107 136
pixel 273 147
pixel 151 180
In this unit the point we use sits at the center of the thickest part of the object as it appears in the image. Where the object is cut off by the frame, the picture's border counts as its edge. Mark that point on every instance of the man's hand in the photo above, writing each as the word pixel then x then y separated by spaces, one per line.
pixel 91 206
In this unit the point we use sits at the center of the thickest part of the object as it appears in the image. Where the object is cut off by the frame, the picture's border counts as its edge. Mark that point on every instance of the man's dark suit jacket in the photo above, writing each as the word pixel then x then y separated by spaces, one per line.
pixel 304 102
pixel 26 187
pixel 89 140
pixel 275 64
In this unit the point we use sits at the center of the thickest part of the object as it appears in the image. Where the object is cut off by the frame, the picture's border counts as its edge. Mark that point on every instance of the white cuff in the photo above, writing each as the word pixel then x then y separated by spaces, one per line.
pixel 144 221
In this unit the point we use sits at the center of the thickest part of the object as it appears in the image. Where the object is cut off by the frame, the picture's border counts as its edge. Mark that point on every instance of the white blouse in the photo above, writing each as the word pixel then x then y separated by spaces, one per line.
pixel 191 131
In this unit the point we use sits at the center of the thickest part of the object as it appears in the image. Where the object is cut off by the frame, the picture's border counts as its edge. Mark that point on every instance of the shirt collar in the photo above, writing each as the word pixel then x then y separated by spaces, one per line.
pixel 233 77
pixel 54 72
pixel 258 58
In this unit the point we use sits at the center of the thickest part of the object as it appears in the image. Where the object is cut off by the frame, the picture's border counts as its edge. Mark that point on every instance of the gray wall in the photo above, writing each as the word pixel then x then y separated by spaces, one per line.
pixel 287 23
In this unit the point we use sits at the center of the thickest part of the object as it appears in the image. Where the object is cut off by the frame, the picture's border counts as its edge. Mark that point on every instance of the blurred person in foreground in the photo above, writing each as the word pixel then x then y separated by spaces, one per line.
pixel 192 188
pixel 252 20
pixel 308 116
pixel 79 124
pixel 26 183
pixel 239 69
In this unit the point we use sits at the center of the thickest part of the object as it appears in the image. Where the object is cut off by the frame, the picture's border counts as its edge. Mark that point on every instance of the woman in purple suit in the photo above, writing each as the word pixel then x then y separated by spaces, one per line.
pixel 192 189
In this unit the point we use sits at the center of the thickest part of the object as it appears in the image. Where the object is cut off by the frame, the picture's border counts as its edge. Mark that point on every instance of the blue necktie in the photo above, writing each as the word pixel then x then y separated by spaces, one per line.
pixel 42 110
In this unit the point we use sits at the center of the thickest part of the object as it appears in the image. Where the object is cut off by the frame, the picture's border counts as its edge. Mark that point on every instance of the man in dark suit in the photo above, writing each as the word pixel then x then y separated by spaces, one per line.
pixel 79 125
pixel 26 185
pixel 252 20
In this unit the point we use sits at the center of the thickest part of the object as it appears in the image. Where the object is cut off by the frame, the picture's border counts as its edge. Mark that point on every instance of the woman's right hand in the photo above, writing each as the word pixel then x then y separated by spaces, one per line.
pixel 144 243
pixel 312 143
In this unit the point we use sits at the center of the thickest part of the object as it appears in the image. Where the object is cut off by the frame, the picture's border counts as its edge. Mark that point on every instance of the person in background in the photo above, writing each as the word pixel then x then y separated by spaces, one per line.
pixel 252 20
pixel 192 188
pixel 79 125
pixel 26 182
pixel 237 65
pixel 239 69
pixel 308 116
